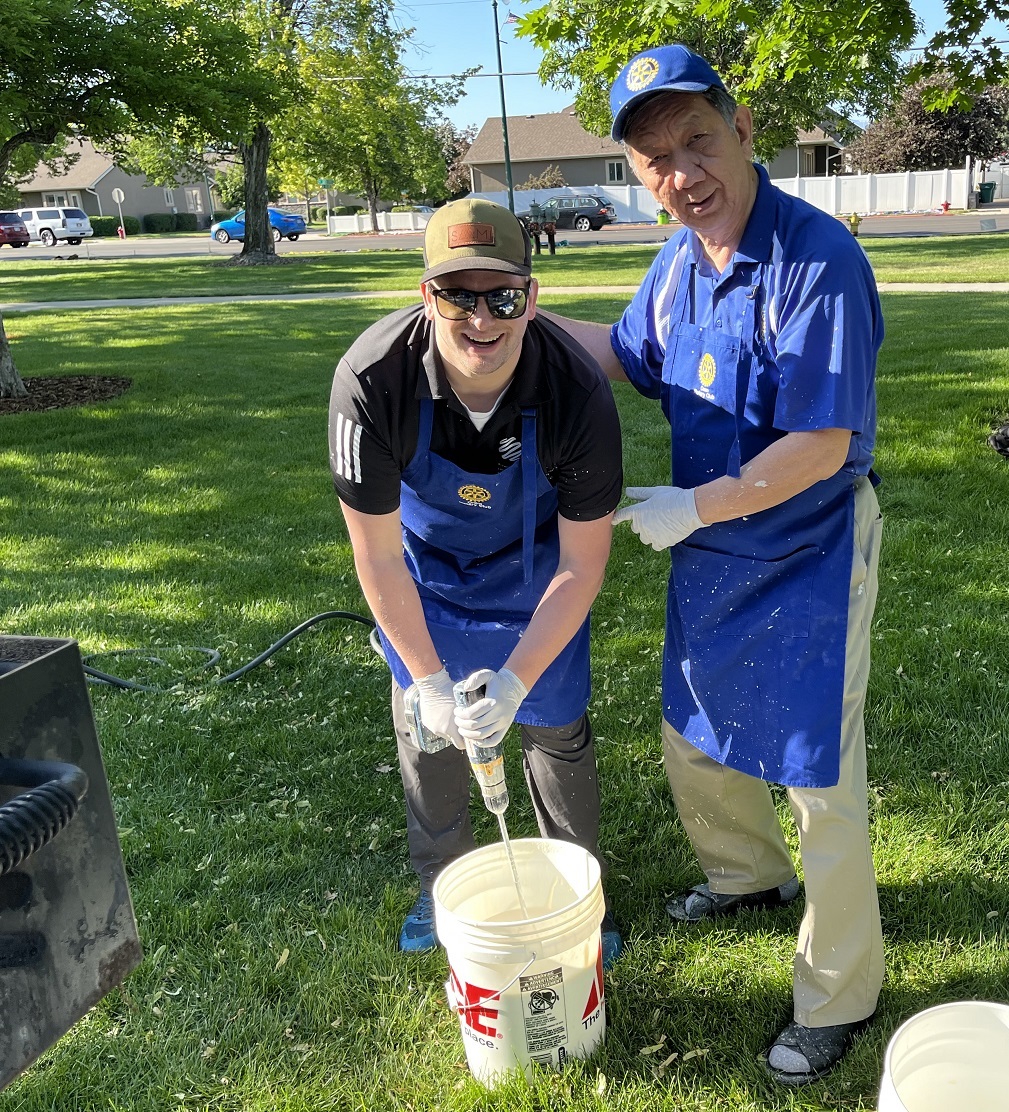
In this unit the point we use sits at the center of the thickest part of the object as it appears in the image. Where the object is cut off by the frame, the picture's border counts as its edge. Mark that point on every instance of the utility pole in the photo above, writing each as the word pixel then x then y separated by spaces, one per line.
pixel 504 111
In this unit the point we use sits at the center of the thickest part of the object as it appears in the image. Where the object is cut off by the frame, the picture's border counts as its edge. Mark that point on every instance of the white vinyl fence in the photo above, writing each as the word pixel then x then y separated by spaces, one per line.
pixel 913 191
pixel 387 222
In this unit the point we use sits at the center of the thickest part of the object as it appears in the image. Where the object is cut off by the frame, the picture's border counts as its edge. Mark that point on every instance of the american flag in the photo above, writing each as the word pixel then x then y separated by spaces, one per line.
pixel 511 19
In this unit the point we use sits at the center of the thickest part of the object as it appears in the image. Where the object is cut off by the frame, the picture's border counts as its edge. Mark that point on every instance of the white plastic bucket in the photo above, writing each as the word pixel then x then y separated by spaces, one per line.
pixel 527 990
pixel 951 1058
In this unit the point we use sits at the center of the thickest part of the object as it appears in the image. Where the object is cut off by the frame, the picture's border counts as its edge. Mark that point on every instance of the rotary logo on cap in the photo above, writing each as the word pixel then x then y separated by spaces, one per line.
pixel 642 73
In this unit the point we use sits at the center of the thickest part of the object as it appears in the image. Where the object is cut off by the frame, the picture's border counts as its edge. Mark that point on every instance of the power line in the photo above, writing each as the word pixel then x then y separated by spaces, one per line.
pixel 922 49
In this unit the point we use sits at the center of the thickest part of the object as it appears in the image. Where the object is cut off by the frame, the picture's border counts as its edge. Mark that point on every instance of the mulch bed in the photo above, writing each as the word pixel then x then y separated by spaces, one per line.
pixel 47 392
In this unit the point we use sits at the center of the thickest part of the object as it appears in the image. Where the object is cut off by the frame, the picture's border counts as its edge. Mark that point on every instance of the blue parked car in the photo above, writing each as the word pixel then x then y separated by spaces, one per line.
pixel 284 224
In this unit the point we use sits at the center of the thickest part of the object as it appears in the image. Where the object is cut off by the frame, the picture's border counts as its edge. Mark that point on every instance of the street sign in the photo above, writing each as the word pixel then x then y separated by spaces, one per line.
pixel 119 196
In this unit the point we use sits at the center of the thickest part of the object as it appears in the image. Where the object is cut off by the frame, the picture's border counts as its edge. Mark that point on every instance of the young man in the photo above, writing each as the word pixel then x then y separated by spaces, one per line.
pixel 476 453
pixel 757 328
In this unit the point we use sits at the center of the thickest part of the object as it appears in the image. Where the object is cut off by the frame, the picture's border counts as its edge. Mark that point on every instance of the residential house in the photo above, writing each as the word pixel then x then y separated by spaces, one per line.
pixel 89 183
pixel 816 154
pixel 538 142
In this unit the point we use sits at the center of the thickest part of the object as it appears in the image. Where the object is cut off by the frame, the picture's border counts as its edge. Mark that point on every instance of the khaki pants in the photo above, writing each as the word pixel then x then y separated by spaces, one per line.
pixel 734 829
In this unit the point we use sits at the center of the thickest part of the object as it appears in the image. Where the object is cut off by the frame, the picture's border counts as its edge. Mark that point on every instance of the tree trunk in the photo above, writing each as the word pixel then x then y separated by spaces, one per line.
pixel 11 385
pixel 258 246
pixel 372 194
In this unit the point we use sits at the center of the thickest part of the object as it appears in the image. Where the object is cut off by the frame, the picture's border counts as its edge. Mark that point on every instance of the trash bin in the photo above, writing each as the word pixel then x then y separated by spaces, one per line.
pixel 987 191
pixel 973 197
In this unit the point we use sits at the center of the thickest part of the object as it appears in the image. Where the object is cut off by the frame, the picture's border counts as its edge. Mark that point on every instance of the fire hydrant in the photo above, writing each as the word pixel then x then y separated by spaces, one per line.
pixel 853 222
pixel 945 206
pixel 121 232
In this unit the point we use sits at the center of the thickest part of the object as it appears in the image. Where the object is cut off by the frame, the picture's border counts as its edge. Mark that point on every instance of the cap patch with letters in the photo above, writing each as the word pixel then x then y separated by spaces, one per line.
pixel 471 235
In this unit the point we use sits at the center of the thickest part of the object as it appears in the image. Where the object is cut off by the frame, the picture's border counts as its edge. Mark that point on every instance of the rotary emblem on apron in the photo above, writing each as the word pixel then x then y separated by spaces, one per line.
pixel 472 495
pixel 706 374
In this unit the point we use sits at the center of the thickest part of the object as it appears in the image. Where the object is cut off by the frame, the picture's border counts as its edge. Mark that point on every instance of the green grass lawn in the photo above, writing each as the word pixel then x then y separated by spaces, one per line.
pixel 262 821
pixel 940 259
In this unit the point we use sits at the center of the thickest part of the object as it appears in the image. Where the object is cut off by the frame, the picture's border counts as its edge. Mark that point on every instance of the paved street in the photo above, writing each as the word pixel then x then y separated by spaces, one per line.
pixel 991 218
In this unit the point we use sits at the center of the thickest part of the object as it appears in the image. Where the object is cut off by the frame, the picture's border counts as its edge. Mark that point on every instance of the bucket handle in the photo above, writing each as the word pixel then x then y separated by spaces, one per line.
pixel 460 1006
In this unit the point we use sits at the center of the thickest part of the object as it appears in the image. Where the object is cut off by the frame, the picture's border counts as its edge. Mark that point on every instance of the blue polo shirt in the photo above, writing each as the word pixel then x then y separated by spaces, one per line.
pixel 820 325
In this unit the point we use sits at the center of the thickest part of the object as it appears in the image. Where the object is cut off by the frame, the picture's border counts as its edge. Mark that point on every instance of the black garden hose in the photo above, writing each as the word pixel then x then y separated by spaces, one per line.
pixel 32 819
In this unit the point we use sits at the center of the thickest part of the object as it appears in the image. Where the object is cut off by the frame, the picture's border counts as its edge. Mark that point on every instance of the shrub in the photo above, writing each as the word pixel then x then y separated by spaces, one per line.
pixel 551 178
pixel 347 210
pixel 185 222
pixel 107 225
pixel 318 216
pixel 158 222
pixel 221 214
pixel 104 225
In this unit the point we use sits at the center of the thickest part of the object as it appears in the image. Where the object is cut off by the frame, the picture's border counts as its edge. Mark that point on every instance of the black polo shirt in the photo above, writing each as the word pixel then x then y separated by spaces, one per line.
pixel 374 417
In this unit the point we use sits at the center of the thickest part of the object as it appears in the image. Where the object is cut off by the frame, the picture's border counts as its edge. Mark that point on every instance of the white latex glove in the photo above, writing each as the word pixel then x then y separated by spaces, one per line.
pixel 437 706
pixel 486 722
pixel 665 517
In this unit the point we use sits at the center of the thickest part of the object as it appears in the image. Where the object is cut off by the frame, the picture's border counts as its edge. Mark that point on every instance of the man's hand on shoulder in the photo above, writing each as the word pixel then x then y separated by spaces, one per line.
pixel 595 338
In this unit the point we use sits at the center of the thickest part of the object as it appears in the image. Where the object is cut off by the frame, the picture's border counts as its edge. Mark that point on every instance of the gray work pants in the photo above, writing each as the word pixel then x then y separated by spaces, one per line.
pixel 559 763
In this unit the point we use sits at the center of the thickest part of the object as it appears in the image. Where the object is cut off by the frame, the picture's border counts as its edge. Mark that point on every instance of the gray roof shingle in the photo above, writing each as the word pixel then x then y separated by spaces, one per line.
pixel 552 135
pixel 88 169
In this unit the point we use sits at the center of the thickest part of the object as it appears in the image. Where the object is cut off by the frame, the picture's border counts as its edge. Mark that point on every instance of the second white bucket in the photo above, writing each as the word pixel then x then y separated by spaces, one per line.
pixel 527 990
pixel 950 1058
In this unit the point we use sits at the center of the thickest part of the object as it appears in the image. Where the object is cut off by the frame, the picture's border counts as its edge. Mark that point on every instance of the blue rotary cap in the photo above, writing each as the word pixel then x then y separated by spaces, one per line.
pixel 673 68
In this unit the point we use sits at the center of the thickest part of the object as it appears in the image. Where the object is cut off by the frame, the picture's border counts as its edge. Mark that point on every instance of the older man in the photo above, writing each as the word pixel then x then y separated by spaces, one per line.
pixel 757 327
pixel 484 445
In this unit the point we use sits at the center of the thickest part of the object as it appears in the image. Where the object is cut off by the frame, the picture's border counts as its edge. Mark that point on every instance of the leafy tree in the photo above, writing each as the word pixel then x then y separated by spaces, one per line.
pixel 230 186
pixel 968 61
pixel 551 178
pixel 455 145
pixel 105 68
pixel 368 125
pixel 910 137
pixel 794 63
pixel 275 28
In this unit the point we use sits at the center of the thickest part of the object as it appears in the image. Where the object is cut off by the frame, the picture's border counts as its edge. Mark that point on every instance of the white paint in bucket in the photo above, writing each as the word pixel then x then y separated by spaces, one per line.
pixel 527 990
pixel 950 1058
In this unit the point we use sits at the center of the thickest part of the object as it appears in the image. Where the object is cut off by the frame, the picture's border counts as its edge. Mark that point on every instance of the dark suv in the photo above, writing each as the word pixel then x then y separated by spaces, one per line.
pixel 13 230
pixel 581 213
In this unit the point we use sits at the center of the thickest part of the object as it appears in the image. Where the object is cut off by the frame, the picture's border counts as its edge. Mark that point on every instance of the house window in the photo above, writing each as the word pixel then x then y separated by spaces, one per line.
pixel 194 200
pixel 62 200
pixel 808 162
pixel 615 173
pixel 169 198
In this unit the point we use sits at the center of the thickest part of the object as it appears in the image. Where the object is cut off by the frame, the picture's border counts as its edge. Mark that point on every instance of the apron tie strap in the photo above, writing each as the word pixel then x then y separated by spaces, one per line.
pixel 528 492
pixel 734 465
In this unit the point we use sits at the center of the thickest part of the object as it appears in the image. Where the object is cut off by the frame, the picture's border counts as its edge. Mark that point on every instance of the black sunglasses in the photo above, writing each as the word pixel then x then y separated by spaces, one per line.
pixel 506 303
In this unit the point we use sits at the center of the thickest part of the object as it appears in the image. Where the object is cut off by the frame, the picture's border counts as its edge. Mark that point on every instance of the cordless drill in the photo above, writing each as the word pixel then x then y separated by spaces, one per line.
pixel 487 761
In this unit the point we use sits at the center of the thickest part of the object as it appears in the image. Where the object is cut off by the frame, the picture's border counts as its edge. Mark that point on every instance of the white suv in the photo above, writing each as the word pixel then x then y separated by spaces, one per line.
pixel 52 224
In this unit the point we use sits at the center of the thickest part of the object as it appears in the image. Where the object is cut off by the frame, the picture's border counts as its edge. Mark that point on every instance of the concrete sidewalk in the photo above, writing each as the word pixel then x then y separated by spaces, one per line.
pixel 370 295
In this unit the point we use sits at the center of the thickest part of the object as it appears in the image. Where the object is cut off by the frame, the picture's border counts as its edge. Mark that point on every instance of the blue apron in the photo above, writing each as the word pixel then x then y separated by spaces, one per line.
pixel 482 550
pixel 757 611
